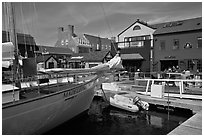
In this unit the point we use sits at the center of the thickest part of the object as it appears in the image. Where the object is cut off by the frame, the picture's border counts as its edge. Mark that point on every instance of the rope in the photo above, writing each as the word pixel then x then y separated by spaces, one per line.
pixel 6 19
pixel 22 17
pixel 109 27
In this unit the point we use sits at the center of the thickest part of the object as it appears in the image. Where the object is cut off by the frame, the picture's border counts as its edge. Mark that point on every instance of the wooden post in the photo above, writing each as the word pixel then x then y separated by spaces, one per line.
pixel 147 87
pixel 180 88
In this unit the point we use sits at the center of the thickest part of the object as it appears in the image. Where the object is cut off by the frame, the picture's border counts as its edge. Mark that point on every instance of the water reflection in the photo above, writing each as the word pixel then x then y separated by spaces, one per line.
pixel 105 120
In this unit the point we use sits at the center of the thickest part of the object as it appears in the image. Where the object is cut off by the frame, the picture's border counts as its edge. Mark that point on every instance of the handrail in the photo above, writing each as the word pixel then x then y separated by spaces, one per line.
pixel 181 83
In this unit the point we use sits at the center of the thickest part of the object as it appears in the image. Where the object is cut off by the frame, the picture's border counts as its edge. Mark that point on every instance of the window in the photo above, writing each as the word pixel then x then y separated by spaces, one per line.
pixel 190 64
pixel 199 65
pixel 187 46
pixel 97 47
pixel 62 42
pixel 102 47
pixel 162 45
pixel 137 27
pixel 147 37
pixel 133 39
pixel 126 39
pixel 199 42
pixel 31 49
pixel 137 44
pixel 127 44
pixel 66 41
pixel 176 44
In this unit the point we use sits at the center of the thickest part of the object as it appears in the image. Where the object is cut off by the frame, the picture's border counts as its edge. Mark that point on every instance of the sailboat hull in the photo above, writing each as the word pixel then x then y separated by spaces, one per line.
pixel 40 115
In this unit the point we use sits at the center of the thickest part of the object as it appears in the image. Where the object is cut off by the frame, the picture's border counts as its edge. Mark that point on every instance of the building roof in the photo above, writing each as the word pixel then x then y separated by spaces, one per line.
pixel 84 41
pixel 55 50
pixel 131 56
pixel 21 38
pixel 44 58
pixel 96 56
pixel 178 26
pixel 137 21
pixel 173 26
pixel 94 40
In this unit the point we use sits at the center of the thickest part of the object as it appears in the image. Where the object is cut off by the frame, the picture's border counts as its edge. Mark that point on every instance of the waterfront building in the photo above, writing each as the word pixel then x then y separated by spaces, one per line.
pixel 136 44
pixel 60 55
pixel 178 44
pixel 46 62
pixel 98 43
pixel 81 43
pixel 162 46
pixel 88 60
pixel 68 39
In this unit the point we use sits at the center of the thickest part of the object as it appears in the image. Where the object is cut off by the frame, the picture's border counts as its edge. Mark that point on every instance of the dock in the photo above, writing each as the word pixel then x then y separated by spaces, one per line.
pixel 192 126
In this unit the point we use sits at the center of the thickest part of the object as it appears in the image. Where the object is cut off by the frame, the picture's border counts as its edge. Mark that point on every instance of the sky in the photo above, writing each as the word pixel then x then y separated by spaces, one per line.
pixel 104 19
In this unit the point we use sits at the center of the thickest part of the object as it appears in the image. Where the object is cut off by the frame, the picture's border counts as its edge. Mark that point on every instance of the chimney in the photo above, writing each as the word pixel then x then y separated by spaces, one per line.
pixel 60 30
pixel 71 29
pixel 113 39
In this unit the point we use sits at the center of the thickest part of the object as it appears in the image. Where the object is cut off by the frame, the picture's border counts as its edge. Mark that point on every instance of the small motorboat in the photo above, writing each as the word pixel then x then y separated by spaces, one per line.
pixel 144 105
pixel 123 102
pixel 127 103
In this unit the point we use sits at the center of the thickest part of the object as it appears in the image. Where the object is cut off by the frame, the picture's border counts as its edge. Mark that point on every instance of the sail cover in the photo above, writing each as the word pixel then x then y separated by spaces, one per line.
pixel 8 54
pixel 7 51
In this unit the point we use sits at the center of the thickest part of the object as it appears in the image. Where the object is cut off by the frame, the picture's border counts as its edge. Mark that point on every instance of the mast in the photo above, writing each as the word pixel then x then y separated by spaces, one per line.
pixel 13 39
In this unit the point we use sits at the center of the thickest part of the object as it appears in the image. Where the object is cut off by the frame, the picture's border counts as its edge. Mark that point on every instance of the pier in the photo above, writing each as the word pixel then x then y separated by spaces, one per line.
pixel 193 126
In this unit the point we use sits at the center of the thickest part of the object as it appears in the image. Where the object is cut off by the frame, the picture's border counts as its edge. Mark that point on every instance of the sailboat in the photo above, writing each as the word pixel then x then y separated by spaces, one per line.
pixel 39 108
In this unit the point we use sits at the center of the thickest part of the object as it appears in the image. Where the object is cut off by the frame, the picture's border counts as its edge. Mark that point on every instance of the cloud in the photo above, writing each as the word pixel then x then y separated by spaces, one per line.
pixel 98 18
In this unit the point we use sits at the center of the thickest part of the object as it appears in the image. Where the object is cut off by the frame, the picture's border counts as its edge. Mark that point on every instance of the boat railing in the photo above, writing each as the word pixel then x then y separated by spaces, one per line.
pixel 46 78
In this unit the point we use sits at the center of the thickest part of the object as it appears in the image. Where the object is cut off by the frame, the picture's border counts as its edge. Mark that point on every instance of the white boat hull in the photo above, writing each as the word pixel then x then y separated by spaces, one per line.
pixel 40 115
pixel 123 105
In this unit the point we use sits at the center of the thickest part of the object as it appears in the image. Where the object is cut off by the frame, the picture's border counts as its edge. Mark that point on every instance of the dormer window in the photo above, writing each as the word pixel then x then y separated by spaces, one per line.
pixel 187 46
pixel 62 42
pixel 137 27
pixel 66 41
pixel 97 47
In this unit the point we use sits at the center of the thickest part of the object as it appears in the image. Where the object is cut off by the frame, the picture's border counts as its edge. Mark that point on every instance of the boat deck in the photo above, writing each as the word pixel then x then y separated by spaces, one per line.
pixel 30 93
pixel 46 90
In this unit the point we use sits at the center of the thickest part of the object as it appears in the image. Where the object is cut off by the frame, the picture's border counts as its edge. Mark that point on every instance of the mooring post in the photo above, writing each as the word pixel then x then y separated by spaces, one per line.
pixel 147 86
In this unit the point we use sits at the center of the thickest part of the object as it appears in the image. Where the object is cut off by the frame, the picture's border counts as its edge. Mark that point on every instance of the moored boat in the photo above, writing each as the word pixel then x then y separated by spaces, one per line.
pixel 39 109
pixel 42 105
pixel 124 103
pixel 127 103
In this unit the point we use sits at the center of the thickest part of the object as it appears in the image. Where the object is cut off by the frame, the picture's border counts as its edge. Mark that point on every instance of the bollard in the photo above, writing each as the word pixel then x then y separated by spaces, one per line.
pixel 136 77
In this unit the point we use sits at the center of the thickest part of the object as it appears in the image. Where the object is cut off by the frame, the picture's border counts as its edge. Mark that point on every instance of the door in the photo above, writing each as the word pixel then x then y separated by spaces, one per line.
pixel 51 65
pixel 166 64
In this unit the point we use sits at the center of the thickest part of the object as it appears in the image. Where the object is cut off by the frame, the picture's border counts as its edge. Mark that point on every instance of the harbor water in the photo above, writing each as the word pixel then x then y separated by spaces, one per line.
pixel 102 119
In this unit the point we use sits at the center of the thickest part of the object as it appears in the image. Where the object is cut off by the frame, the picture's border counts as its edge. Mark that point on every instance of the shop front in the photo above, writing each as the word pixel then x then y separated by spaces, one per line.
pixel 132 62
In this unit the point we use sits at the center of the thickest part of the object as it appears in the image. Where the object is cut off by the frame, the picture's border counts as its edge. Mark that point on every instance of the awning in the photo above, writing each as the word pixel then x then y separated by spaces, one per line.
pixel 135 56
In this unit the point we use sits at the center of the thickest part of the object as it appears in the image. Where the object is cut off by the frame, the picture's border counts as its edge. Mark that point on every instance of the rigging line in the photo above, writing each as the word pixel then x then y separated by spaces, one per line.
pixel 35 12
pixel 36 15
pixel 108 25
pixel 6 20
pixel 22 17
pixel 29 35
